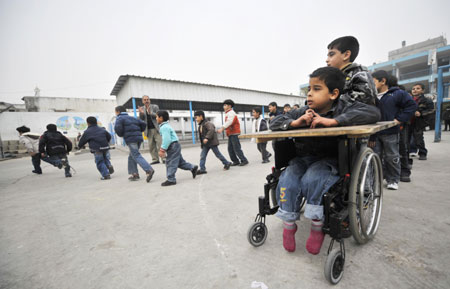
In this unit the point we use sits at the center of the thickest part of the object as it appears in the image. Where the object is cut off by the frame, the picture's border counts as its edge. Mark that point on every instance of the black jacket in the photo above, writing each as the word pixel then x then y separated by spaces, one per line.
pixel 396 104
pixel 345 112
pixel 54 143
pixel 359 84
pixel 426 108
pixel 129 128
pixel 97 137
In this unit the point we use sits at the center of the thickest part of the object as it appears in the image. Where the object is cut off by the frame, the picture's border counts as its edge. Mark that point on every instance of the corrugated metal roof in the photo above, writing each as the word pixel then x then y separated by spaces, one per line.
pixel 123 79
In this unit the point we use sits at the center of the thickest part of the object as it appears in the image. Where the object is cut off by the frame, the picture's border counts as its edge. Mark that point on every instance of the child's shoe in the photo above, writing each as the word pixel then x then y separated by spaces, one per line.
pixel 150 175
pixel 111 170
pixel 315 240
pixel 134 177
pixel 289 236
pixel 168 183
pixel 107 177
pixel 194 171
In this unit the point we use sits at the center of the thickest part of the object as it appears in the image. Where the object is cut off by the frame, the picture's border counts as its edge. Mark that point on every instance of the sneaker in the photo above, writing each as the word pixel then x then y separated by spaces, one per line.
pixel 133 178
pixel 194 171
pixel 60 165
pixel 405 179
pixel 315 239
pixel 68 175
pixel 108 177
pixel 422 158
pixel 227 167
pixel 150 175
pixel 244 163
pixel 234 164
pixel 265 161
pixel 269 155
pixel 111 170
pixel 289 237
pixel 154 163
pixel 201 172
pixel 36 172
pixel 167 183
pixel 392 186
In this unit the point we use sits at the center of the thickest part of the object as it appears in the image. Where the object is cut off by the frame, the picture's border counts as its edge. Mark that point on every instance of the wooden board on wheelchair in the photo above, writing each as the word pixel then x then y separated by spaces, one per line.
pixel 355 131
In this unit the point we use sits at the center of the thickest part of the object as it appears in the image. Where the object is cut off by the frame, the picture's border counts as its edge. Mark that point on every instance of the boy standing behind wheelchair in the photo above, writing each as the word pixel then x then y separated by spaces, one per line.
pixel 395 105
pixel 314 170
pixel 260 124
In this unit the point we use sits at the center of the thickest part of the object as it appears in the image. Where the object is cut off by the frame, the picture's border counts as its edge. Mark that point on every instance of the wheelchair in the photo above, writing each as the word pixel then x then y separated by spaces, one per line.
pixel 352 207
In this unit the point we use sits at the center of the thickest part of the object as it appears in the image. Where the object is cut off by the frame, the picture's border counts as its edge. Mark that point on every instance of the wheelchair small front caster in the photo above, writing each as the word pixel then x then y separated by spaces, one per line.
pixel 334 266
pixel 257 234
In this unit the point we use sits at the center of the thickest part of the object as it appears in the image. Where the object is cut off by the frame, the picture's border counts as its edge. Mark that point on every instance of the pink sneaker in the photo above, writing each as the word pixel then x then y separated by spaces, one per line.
pixel 315 239
pixel 289 236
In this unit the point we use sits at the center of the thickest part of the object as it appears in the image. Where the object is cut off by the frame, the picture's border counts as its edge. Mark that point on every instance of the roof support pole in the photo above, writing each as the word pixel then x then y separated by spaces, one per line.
pixel 133 100
pixel 192 122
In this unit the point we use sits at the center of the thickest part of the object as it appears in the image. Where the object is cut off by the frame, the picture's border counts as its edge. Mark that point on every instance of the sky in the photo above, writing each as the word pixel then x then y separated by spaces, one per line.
pixel 80 48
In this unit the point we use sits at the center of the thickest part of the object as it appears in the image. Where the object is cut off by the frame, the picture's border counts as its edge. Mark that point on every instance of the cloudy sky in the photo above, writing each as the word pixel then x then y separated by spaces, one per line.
pixel 80 48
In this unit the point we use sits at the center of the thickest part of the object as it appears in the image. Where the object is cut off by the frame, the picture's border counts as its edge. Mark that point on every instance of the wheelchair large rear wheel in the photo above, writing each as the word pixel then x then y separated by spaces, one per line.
pixel 365 196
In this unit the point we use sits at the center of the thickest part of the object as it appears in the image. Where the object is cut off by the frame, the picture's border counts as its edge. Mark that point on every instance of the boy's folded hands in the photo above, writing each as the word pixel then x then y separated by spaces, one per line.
pixel 313 120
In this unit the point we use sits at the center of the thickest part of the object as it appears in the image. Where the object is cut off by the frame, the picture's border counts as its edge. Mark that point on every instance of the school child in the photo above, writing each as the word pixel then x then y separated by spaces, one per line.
pixel 233 129
pixel 314 170
pixel 171 148
pixel 359 84
pixel 98 139
pixel 260 124
pixel 31 142
pixel 395 105
pixel 208 141
pixel 54 147
pixel 131 129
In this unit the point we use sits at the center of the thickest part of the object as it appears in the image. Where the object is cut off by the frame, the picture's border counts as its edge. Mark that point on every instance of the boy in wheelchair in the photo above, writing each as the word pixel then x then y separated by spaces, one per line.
pixel 314 169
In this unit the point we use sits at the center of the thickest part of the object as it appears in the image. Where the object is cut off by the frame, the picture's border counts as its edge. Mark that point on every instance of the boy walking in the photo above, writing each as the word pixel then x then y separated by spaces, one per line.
pixel 314 170
pixel 131 129
pixel 98 139
pixel 395 105
pixel 31 142
pixel 233 130
pixel 171 147
pixel 208 141
pixel 260 124
pixel 54 147
pixel 359 84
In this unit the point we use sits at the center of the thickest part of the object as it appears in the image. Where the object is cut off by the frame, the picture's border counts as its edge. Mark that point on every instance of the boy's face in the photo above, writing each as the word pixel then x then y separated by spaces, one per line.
pixel 272 108
pixel 319 98
pixel 337 59
pixel 379 84
pixel 159 119
pixel 255 114
pixel 226 107
pixel 416 90
pixel 198 118
pixel 287 109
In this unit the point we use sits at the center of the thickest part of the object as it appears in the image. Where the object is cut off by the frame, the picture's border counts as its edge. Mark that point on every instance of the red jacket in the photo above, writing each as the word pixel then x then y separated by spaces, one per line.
pixel 232 125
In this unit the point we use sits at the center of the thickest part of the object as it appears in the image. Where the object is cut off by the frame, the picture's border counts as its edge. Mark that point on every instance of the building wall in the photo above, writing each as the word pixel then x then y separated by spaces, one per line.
pixel 62 104
pixel 137 87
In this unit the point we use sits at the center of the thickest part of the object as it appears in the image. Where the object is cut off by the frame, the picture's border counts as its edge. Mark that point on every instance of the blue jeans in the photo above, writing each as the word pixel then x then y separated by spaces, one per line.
pixel 56 160
pixel 216 151
pixel 174 160
pixel 306 177
pixel 387 147
pixel 102 162
pixel 234 150
pixel 135 158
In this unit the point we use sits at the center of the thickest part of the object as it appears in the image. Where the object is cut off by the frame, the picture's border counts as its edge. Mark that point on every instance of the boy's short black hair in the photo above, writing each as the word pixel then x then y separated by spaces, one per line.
pixel 273 103
pixel 391 80
pixel 287 105
pixel 296 105
pixel 420 84
pixel 346 43
pixel 91 120
pixel 51 127
pixel 200 113
pixel 229 102
pixel 402 87
pixel 120 108
pixel 333 77
pixel 257 109
pixel 23 129
pixel 164 114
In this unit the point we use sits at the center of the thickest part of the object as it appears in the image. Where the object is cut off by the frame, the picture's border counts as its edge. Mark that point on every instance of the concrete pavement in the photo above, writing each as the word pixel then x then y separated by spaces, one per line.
pixel 81 232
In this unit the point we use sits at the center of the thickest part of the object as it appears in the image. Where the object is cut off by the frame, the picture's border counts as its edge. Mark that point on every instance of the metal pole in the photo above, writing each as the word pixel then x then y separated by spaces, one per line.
pixel 221 118
pixel 440 96
pixel 134 107
pixel 192 122
pixel 263 111
pixel 245 123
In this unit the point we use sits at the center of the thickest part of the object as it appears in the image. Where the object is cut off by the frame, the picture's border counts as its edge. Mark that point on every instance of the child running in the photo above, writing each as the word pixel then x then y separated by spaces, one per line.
pixel 171 147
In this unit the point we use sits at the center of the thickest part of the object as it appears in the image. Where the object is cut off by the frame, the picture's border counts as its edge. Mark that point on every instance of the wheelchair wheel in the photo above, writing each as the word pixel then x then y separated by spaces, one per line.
pixel 334 266
pixel 365 196
pixel 257 234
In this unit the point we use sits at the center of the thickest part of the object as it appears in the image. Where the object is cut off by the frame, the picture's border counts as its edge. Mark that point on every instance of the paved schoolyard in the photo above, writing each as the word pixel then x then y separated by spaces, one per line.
pixel 85 233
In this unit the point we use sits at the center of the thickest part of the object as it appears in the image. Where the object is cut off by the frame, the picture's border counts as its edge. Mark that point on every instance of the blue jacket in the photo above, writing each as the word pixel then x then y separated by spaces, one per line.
pixel 97 137
pixel 396 104
pixel 129 128
pixel 168 135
